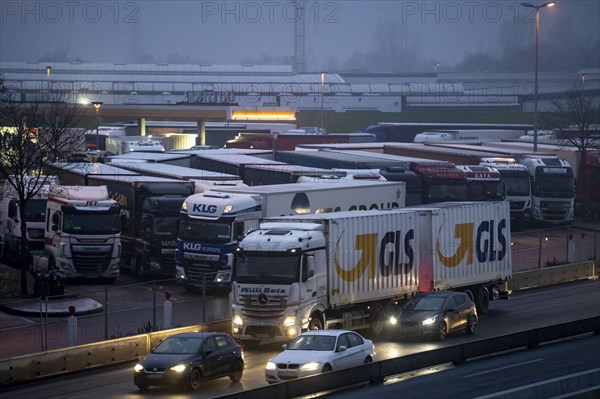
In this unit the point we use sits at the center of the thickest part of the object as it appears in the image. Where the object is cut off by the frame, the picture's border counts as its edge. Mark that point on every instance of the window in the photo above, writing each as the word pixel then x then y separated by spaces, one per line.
pixel 343 341
pixel 222 341
pixel 355 340
pixel 210 345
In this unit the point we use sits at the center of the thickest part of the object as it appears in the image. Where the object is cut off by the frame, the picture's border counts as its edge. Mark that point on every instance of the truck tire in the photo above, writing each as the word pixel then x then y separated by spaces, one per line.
pixel 483 301
pixel 377 319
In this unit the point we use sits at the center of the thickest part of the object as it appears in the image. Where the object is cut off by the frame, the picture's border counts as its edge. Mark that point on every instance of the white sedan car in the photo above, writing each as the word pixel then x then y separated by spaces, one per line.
pixel 319 351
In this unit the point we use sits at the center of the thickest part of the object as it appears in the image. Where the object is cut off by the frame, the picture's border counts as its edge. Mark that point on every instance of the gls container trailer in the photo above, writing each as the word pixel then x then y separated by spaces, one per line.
pixel 350 269
pixel 213 222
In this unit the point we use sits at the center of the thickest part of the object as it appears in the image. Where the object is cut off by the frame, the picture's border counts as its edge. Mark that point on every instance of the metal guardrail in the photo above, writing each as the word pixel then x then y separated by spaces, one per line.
pixel 375 373
pixel 84 357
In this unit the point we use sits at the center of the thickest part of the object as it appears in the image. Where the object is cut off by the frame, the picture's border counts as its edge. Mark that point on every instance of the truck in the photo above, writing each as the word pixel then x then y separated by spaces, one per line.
pixel 126 144
pixel 259 175
pixel 172 171
pixel 82 235
pixel 473 135
pixel 515 178
pixel 483 183
pixel 351 270
pixel 288 141
pixel 149 214
pixel 213 222
pixel 552 188
pixel 35 212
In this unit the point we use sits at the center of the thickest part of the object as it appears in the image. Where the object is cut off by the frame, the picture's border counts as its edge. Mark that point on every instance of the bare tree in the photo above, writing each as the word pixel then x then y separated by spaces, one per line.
pixel 576 118
pixel 32 134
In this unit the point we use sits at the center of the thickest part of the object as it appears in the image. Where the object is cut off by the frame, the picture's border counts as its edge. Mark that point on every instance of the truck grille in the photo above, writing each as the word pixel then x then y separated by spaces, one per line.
pixel 195 270
pixel 555 211
pixel 517 204
pixel 273 309
pixel 96 263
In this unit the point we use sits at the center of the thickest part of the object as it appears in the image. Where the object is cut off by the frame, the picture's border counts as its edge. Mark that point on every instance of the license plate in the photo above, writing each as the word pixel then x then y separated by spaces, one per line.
pixel 287 373
pixel 154 376
pixel 262 335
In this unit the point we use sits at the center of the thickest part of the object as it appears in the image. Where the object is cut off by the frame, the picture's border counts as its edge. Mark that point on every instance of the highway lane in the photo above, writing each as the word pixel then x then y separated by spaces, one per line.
pixel 568 365
pixel 526 310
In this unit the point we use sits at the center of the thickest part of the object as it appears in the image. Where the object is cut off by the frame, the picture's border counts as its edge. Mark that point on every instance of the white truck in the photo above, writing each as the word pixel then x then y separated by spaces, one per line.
pixel 474 135
pixel 82 233
pixel 126 144
pixel 213 222
pixel 552 188
pixel 35 211
pixel 351 269
pixel 515 178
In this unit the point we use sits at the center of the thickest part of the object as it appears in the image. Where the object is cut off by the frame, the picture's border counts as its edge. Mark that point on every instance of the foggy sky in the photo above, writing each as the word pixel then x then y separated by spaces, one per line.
pixel 231 32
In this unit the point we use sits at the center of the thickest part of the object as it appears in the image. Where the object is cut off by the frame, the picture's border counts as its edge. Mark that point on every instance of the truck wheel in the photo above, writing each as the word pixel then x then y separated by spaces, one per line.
pixel 315 324
pixel 483 301
pixel 377 320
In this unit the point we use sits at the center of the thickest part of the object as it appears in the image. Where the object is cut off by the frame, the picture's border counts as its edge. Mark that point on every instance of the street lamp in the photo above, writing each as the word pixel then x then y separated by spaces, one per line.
pixel 97 105
pixel 48 69
pixel 583 76
pixel 535 85
pixel 322 94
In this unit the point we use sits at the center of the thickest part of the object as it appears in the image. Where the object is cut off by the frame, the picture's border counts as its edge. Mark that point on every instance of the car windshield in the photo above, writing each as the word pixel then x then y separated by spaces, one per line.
pixel 179 345
pixel 425 303
pixel 312 343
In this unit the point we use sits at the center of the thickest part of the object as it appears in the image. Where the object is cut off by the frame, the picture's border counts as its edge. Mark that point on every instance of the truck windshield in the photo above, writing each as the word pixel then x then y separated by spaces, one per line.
pixel 205 231
pixel 166 225
pixel 558 186
pixel 439 191
pixel 486 191
pixel 263 268
pixel 35 210
pixel 91 223
pixel 516 184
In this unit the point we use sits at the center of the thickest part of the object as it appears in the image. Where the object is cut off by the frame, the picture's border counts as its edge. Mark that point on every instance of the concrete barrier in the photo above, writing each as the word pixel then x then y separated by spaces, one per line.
pixel 553 275
pixel 61 361
pixel 85 357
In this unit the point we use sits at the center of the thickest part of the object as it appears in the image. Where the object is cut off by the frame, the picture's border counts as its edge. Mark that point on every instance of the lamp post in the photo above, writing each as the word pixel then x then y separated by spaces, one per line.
pixel 48 69
pixel 583 76
pixel 535 84
pixel 322 94
pixel 97 105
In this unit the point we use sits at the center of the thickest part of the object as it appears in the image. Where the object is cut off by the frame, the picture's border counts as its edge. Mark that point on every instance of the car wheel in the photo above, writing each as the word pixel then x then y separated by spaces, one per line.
pixel 315 324
pixel 483 301
pixel 142 387
pixel 443 331
pixel 471 324
pixel 237 370
pixel 326 368
pixel 195 379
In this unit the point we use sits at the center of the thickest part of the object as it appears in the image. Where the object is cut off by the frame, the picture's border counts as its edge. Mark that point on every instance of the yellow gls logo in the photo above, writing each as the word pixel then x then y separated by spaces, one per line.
pixel 463 232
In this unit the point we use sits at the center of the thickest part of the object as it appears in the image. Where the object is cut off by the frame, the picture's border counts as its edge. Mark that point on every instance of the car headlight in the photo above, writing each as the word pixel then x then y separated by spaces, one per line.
pixel 393 320
pixel 138 367
pixel 179 368
pixel 270 366
pixel 429 321
pixel 312 366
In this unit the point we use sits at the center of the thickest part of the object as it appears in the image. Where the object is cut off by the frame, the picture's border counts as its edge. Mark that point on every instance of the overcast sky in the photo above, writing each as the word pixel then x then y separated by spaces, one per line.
pixel 229 32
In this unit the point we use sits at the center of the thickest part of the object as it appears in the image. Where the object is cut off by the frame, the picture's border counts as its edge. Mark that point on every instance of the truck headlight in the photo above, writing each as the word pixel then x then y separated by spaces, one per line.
pixel 222 277
pixel 393 320
pixel 179 273
pixel 289 321
pixel 155 265
pixel 237 320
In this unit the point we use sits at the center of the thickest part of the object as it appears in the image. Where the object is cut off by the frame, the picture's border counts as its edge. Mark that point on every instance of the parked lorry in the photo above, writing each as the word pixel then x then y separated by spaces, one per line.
pixel 515 178
pixel 476 135
pixel 149 217
pixel 289 140
pixel 483 183
pixel 552 188
pixel 82 234
pixel 213 222
pixel 35 214
pixel 126 144
pixel 351 269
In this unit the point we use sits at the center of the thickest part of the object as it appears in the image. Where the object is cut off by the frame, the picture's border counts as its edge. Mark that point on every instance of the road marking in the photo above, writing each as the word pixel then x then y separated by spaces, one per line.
pixel 537 384
pixel 572 394
pixel 501 368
